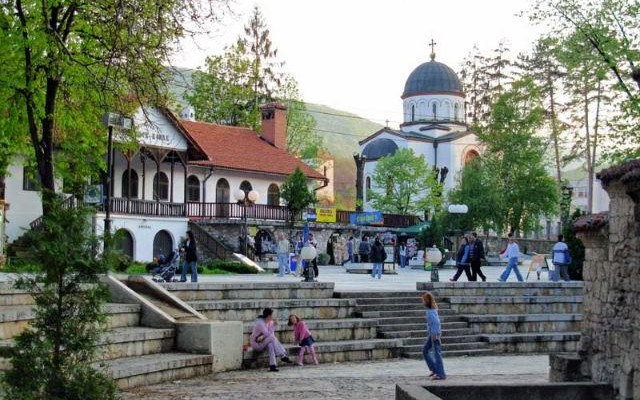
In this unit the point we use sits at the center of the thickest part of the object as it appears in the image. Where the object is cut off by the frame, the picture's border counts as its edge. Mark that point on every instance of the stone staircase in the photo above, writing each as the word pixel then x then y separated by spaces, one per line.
pixel 514 317
pixel 132 354
pixel 401 315
pixel 339 334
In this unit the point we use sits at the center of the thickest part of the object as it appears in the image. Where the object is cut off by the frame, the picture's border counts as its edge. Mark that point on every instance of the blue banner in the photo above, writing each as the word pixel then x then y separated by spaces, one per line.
pixel 366 218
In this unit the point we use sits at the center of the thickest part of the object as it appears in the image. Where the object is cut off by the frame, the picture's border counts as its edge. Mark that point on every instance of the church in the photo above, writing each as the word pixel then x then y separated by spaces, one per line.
pixel 434 125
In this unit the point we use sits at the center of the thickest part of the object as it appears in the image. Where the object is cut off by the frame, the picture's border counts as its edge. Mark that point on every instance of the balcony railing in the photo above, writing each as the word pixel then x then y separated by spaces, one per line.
pixel 232 211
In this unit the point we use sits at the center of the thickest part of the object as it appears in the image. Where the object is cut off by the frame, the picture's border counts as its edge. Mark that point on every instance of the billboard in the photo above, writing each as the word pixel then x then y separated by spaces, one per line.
pixel 325 214
pixel 366 218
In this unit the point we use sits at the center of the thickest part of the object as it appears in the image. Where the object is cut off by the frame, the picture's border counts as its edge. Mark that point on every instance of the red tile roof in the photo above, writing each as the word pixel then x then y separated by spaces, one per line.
pixel 242 149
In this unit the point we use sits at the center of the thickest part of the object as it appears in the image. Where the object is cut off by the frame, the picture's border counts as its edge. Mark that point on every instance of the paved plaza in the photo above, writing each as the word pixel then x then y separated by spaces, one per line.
pixel 370 380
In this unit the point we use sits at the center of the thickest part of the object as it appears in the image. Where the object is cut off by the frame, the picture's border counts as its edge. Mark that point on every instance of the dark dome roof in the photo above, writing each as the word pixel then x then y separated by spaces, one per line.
pixel 379 148
pixel 432 76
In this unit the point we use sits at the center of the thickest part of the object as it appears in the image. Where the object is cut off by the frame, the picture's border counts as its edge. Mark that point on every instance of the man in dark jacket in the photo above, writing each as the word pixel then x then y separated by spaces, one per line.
pixel 364 249
pixel 378 255
pixel 476 255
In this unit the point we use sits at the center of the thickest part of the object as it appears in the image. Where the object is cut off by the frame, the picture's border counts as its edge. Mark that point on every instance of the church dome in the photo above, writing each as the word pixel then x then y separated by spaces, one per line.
pixel 379 148
pixel 432 76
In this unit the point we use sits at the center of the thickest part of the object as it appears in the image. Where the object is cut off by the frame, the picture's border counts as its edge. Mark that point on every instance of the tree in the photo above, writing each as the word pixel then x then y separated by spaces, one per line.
pixel 404 184
pixel 512 164
pixel 53 358
pixel 247 75
pixel 297 196
pixel 65 63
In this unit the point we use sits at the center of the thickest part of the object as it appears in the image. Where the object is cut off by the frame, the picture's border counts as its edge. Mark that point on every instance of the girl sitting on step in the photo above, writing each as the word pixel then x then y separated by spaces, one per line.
pixel 303 337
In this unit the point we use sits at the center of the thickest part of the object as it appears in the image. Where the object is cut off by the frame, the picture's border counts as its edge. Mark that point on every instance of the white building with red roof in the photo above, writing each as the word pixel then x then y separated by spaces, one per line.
pixel 182 171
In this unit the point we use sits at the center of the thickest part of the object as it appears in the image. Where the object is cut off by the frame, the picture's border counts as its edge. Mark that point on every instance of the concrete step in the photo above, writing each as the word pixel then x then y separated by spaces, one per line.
pixel 553 342
pixel 524 323
pixel 154 368
pixel 449 289
pixel 135 341
pixel 417 355
pixel 250 290
pixel 390 307
pixel 340 351
pixel 326 330
pixel 10 296
pixel 417 326
pixel 248 310
pixel 516 304
pixel 446 346
pixel 421 333
pixel 15 318
pixel 370 295
pixel 414 341
pixel 364 301
pixel 401 314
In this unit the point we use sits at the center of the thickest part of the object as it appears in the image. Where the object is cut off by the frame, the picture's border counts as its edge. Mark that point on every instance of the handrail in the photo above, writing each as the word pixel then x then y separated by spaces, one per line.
pixel 210 243
pixel 67 203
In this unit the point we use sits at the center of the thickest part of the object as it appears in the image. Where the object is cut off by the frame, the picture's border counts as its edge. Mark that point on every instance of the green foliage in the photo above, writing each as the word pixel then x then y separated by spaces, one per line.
pixel 53 358
pixel 509 189
pixel 434 234
pixel 297 196
pixel 323 259
pixel 404 184
pixel 576 248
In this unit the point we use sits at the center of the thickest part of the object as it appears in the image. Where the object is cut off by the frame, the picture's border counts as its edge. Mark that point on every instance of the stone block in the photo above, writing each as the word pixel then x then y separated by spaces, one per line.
pixel 568 368
pixel 223 340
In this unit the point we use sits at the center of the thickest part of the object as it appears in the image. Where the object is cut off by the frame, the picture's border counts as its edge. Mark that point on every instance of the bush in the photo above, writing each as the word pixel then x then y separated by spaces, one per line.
pixel 230 266
pixel 323 259
pixel 122 262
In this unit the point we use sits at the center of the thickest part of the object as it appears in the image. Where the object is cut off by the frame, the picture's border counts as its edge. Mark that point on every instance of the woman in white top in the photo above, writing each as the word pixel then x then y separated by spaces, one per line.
pixel 512 253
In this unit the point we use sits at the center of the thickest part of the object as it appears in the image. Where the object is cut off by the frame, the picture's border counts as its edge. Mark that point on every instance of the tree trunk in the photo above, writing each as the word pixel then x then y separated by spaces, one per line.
pixel 554 128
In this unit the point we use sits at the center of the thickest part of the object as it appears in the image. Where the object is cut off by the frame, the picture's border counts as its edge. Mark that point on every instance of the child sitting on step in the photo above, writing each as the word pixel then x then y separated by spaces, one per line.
pixel 303 337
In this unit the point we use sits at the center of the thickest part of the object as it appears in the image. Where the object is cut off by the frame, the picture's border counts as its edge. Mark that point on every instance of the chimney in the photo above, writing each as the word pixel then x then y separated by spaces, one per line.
pixel 274 124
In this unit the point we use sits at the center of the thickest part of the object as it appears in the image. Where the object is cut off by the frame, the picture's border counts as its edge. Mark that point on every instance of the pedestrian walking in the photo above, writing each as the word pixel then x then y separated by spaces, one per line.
pixel 364 249
pixel 476 255
pixel 512 254
pixel 350 246
pixel 433 343
pixel 462 261
pixel 283 254
pixel 378 255
pixel 190 259
pixel 402 254
pixel 303 338
pixel 561 260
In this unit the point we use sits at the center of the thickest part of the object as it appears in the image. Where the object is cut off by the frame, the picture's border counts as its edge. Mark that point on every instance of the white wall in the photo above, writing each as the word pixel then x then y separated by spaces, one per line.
pixel 445 106
pixel 23 206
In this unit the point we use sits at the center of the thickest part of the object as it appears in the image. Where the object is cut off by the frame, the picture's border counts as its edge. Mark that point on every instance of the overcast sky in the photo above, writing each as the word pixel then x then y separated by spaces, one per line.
pixel 355 55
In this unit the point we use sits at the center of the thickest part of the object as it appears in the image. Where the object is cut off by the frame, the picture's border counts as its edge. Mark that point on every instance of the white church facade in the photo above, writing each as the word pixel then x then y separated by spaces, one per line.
pixel 434 126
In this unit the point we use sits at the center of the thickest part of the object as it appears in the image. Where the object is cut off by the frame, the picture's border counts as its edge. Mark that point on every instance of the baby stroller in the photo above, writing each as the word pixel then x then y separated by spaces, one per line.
pixel 165 271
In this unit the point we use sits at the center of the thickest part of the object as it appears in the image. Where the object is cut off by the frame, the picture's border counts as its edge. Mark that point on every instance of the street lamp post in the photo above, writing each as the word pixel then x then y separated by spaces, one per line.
pixel 246 198
pixel 433 257
pixel 111 120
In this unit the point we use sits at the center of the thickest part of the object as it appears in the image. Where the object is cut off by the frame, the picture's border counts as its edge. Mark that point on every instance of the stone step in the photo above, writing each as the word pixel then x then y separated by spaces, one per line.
pixel 14 319
pixel 390 307
pixel 250 290
pixel 417 326
pixel 524 323
pixel 450 289
pixel 553 342
pixel 369 295
pixel 10 296
pixel 449 346
pixel 420 333
pixel 364 301
pixel 414 341
pixel 417 355
pixel 325 330
pixel 402 314
pixel 135 341
pixel 145 370
pixel 516 304
pixel 248 310
pixel 340 351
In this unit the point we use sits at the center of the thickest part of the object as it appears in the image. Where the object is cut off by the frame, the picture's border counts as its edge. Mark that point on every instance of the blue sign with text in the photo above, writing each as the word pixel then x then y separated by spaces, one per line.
pixel 366 218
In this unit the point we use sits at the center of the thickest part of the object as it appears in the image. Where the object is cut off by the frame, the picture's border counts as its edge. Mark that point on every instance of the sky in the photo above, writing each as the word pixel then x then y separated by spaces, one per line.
pixel 355 55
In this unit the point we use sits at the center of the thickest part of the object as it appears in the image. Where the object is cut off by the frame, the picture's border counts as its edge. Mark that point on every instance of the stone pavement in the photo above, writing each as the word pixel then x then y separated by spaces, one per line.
pixel 405 279
pixel 371 380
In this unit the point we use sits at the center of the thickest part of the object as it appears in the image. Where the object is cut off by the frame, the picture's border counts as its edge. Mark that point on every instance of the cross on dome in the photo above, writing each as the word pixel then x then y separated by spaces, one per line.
pixel 433 51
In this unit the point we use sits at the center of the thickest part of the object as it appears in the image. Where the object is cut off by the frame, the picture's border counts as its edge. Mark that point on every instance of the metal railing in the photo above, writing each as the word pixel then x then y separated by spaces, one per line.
pixel 211 245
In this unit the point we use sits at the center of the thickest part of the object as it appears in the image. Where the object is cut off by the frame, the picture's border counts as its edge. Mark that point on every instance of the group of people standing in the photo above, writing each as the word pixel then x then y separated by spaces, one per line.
pixel 469 258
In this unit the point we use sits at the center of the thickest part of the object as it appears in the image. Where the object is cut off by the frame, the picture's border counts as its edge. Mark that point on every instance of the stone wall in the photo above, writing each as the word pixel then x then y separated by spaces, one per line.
pixel 610 343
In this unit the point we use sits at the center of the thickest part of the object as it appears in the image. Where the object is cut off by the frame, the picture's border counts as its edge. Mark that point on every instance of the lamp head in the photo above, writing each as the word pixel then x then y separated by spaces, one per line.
pixel 239 195
pixel 308 252
pixel 253 196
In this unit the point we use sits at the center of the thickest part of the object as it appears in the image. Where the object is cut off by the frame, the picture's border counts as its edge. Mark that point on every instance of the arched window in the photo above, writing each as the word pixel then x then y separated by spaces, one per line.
pixel 368 183
pixel 193 188
pixel 162 243
pixel 222 191
pixel 470 157
pixel 273 195
pixel 133 184
pixel 456 112
pixel 367 186
pixel 413 112
pixel 124 242
pixel 246 187
pixel 434 110
pixel 160 186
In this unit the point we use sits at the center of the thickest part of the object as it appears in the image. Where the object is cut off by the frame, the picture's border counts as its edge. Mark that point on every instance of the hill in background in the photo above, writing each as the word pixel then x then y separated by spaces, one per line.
pixel 340 130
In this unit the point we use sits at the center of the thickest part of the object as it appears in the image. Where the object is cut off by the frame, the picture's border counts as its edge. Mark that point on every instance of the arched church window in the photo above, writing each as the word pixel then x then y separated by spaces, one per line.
pixel 193 188
pixel 434 110
pixel 456 112
pixel 160 186
pixel 133 184
pixel 413 112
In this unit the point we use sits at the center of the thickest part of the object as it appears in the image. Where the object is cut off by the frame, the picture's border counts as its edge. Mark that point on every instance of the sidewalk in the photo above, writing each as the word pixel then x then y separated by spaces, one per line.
pixel 371 380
